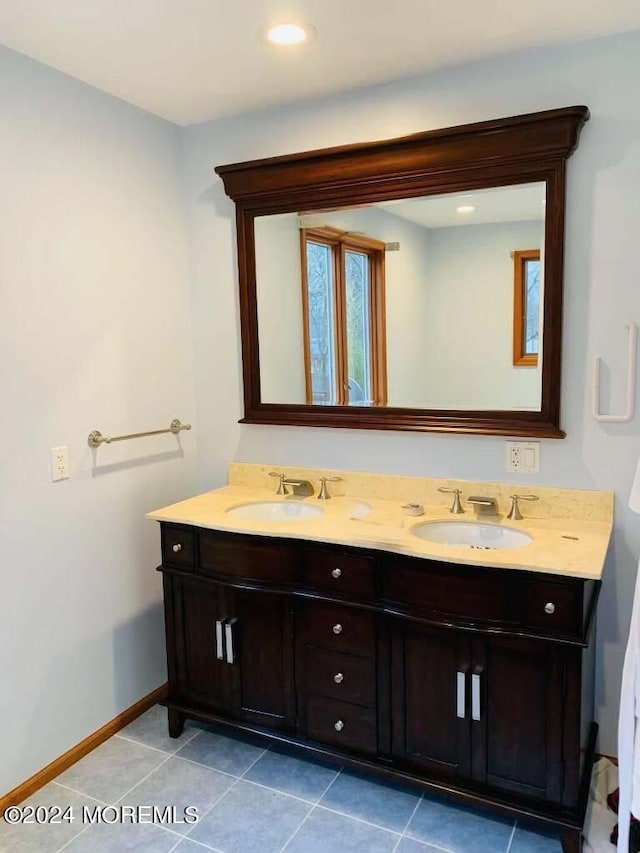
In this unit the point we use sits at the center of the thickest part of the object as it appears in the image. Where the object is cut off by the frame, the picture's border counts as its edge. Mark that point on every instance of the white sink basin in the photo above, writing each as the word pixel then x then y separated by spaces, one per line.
pixel 470 534
pixel 276 511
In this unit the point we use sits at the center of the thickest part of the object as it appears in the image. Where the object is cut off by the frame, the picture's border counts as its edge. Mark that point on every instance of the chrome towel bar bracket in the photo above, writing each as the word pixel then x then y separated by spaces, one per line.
pixel 96 438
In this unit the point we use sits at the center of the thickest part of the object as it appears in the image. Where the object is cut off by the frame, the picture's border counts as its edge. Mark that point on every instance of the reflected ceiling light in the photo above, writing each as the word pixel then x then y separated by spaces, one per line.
pixel 289 34
pixel 465 208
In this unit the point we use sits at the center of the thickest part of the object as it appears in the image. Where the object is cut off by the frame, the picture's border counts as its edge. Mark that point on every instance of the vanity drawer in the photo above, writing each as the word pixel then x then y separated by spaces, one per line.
pixel 345 629
pixel 340 723
pixel 253 560
pixel 178 546
pixel 345 574
pixel 460 592
pixel 554 607
pixel 340 676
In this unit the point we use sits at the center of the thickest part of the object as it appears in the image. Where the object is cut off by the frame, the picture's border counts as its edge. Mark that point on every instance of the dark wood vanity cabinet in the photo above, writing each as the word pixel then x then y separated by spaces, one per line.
pixel 475 682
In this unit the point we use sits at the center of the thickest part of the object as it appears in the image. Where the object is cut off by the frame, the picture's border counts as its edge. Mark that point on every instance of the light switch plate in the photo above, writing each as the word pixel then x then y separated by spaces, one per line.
pixel 59 463
pixel 523 457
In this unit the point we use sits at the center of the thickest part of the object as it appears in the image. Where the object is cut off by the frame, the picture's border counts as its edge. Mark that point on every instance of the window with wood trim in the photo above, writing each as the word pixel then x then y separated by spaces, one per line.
pixel 526 307
pixel 344 318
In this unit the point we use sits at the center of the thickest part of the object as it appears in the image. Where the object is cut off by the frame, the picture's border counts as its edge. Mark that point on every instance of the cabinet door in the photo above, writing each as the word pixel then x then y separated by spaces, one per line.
pixel 262 671
pixel 517 691
pixel 430 699
pixel 202 675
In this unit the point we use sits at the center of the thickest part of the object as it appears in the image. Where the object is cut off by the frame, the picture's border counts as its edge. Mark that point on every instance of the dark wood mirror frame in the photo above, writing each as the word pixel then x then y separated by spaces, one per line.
pixel 522 149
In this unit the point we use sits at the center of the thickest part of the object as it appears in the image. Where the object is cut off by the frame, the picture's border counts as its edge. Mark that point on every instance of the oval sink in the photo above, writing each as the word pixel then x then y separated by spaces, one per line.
pixel 275 511
pixel 469 534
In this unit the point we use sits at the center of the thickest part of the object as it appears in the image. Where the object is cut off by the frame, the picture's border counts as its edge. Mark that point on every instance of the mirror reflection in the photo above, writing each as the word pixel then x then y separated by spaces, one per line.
pixel 431 302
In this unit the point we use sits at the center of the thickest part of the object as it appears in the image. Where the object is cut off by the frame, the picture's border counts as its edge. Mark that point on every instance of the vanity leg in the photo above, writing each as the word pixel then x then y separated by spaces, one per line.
pixel 572 841
pixel 176 722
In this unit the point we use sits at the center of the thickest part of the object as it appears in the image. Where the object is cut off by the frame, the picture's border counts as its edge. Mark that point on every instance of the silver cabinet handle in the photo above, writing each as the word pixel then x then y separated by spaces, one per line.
pixel 177 548
pixel 219 641
pixel 228 635
pixel 550 608
pixel 461 694
pixel 338 725
pixel 336 573
pixel 475 694
pixel 338 678
pixel 337 629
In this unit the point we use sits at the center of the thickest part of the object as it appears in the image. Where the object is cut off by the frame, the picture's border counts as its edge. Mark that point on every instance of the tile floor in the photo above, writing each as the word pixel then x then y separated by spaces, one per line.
pixel 250 800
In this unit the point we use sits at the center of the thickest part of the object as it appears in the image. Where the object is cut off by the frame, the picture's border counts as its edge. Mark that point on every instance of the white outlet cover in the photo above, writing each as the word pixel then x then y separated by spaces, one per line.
pixel 59 464
pixel 523 457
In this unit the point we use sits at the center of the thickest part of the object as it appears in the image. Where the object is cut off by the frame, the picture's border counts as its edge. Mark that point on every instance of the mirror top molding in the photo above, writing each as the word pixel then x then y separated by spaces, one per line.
pixel 409 165
pixel 498 153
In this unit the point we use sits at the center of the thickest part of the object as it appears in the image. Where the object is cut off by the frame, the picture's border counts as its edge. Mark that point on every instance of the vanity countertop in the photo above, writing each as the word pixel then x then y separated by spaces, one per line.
pixel 569 545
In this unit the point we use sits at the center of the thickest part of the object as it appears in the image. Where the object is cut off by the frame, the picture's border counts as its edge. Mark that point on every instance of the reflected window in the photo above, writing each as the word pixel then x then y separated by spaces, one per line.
pixel 526 307
pixel 344 327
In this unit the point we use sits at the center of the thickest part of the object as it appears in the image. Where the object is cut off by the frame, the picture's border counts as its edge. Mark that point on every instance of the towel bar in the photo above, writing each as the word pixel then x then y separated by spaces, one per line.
pixel 96 438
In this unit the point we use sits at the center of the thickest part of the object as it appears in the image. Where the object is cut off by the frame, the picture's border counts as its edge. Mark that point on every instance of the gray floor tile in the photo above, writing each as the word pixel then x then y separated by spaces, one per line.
pixel 187 846
pixel 295 776
pixel 385 805
pixel 221 752
pixel 251 819
pixel 328 832
pixel 179 783
pixel 112 769
pixel 459 829
pixel 410 845
pixel 45 838
pixel 526 841
pixel 151 730
pixel 120 837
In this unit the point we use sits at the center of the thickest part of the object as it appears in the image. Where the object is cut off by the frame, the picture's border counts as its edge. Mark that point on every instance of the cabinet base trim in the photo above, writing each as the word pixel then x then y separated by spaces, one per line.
pixel 563 819
pixel 64 761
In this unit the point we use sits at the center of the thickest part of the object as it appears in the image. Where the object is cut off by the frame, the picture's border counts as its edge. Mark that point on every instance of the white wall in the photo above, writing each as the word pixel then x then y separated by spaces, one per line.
pixel 94 334
pixel 467 348
pixel 601 292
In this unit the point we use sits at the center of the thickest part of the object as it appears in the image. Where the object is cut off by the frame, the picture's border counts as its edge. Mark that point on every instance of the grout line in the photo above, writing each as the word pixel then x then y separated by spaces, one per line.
pixel 207 812
pixel 360 820
pixel 140 781
pixel 309 813
pixel 156 748
pixel 264 752
pixel 80 793
pixel 513 832
pixel 408 823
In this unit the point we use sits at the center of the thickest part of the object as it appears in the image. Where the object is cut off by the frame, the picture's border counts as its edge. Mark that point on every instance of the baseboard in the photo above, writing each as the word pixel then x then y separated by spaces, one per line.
pixel 58 765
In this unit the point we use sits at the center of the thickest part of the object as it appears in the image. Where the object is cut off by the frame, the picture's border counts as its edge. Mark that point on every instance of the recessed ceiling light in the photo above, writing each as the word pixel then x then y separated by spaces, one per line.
pixel 465 208
pixel 289 34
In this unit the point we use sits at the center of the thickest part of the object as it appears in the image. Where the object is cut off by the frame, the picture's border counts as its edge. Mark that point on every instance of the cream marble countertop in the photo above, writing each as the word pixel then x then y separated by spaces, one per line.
pixel 388 528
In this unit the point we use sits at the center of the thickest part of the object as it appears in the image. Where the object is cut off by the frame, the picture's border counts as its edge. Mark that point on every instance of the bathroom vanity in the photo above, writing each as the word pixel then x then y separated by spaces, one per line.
pixel 471 678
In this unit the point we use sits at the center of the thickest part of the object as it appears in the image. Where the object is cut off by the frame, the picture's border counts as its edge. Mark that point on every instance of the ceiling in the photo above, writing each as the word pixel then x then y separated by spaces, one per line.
pixel 193 60
pixel 521 203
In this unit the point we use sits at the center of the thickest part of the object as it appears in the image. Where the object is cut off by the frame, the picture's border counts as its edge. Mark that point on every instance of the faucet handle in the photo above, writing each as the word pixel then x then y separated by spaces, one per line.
pixel 323 494
pixel 514 511
pixel 281 489
pixel 456 506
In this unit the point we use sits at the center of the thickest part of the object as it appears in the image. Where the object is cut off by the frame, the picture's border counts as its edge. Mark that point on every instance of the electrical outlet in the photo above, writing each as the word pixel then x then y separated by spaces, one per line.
pixel 523 457
pixel 59 464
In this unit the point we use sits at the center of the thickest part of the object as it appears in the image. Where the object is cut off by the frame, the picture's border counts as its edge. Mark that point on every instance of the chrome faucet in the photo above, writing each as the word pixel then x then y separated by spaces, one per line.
pixel 483 505
pixel 298 487
pixel 323 494
pixel 514 512
pixel 456 506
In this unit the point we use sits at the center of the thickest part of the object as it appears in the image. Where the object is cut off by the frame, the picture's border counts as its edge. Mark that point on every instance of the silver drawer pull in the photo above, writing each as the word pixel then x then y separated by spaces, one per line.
pixel 338 678
pixel 338 725
pixel 336 573
pixel 475 694
pixel 550 608
pixel 177 548
pixel 219 640
pixel 461 694
pixel 337 629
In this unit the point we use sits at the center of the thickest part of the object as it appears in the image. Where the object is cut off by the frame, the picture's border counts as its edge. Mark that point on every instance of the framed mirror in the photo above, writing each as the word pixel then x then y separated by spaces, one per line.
pixel 413 283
